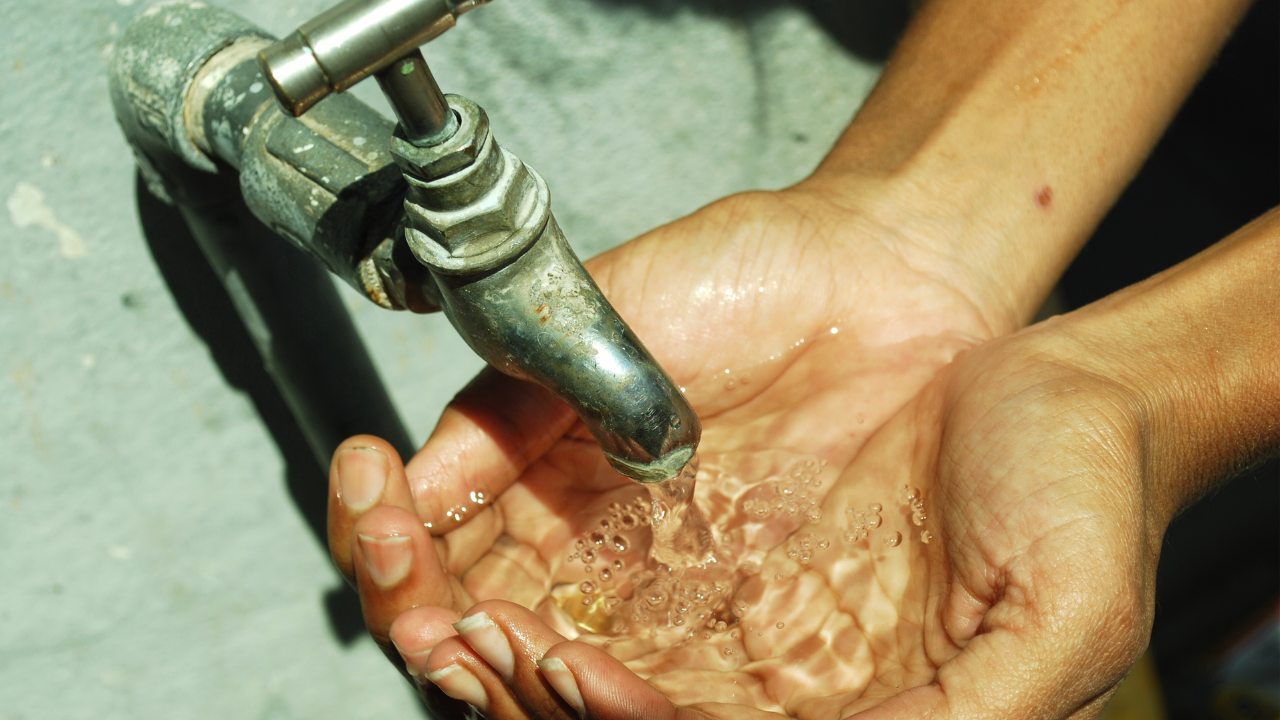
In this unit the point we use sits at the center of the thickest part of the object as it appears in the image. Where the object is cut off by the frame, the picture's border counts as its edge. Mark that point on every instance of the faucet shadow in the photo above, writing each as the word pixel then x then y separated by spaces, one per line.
pixel 209 311
pixel 869 29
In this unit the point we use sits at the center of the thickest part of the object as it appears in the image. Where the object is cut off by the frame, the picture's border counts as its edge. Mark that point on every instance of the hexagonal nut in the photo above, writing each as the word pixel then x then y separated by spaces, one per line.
pixel 450 156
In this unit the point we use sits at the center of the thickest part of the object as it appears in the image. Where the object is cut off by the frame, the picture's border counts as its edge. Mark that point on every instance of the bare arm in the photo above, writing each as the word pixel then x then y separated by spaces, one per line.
pixel 1003 131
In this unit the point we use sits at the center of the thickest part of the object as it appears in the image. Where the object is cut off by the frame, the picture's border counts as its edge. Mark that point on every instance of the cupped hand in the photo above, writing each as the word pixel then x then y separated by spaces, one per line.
pixel 799 333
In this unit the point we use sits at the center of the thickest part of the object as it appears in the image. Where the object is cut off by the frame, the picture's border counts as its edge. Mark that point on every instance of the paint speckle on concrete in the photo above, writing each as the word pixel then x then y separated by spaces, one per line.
pixel 27 208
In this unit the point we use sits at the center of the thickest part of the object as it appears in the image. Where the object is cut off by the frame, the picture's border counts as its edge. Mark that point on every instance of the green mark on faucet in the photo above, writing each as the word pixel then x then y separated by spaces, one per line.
pixel 406 68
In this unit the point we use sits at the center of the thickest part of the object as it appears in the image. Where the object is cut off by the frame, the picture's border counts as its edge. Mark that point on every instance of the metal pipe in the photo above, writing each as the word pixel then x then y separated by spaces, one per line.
pixel 349 42
pixel 425 117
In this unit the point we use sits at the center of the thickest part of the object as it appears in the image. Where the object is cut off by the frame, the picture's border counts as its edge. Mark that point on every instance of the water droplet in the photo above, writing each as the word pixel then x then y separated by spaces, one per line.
pixel 823 544
pixel 618 565
pixel 580 544
pixel 894 539
pixel 874 521
pixel 918 518
pixel 597 539
pixel 780 625
pixel 620 544
pixel 478 497
pixel 925 536
pixel 875 507
pixel 587 587
pixel 606 574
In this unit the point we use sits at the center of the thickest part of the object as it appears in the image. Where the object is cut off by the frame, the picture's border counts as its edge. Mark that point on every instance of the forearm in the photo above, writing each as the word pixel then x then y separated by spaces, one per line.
pixel 1199 346
pixel 1005 130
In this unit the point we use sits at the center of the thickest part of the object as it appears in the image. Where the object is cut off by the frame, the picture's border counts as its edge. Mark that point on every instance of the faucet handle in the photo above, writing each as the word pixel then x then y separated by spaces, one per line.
pixel 358 38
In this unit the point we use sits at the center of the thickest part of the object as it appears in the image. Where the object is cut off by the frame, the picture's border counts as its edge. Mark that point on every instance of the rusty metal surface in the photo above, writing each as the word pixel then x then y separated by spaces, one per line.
pixel 519 296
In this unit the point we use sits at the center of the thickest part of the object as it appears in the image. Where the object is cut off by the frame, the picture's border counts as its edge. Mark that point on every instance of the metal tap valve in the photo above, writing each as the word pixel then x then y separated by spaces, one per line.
pixel 480 220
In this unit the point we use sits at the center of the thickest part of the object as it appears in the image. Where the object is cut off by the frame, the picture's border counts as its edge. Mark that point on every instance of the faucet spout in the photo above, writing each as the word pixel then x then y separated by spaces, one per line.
pixel 480 220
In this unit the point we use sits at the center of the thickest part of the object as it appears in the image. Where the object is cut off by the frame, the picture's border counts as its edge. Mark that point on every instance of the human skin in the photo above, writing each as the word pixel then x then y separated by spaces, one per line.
pixel 938 223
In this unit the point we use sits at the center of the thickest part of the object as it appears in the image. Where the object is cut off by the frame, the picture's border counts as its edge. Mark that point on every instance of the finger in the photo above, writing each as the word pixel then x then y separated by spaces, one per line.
pixel 595 685
pixel 365 472
pixel 512 639
pixel 397 569
pixel 486 437
pixel 414 634
pixel 459 673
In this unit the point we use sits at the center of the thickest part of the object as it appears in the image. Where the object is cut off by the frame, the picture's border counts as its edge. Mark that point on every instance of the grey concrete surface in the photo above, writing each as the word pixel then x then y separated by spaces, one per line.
pixel 152 563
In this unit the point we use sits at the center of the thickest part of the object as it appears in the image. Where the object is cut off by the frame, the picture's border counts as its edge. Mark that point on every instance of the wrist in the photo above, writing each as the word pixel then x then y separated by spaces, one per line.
pixel 1198 349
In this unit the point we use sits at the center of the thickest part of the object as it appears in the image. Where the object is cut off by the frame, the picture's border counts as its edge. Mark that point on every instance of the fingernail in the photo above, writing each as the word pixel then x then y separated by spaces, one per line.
pixel 386 559
pixel 458 683
pixel 487 639
pixel 362 477
pixel 559 677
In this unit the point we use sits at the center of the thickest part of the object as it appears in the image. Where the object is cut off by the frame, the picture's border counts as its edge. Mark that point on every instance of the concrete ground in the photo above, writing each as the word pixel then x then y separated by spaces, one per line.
pixel 152 560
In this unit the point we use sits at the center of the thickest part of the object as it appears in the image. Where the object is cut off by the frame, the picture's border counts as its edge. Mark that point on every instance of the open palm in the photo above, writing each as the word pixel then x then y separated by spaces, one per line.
pixel 799 334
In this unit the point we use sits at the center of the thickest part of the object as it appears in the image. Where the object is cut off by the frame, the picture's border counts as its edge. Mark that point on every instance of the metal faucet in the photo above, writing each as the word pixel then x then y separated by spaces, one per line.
pixel 433 214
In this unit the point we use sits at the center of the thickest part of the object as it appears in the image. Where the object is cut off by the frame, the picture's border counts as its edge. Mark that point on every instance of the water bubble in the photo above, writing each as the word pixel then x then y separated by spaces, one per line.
pixel 597 539
pixel 874 521
pixel 793 508
pixel 571 558
pixel 778 576
pixel 735 633
pixel 628 521
pixel 606 574
pixel 918 518
pixel 605 525
pixel 478 497
pixel 805 557
pixel 728 651
pixel 580 544
pixel 925 536
pixel 706 634
pixel 780 625
pixel 823 544
pixel 875 507
pixel 618 565
pixel 620 544
pixel 813 515
pixel 677 620
pixel 588 556
pixel 588 568
pixel 721 626
pixel 611 602
pixel 893 540
pixel 587 587
pixel 587 601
